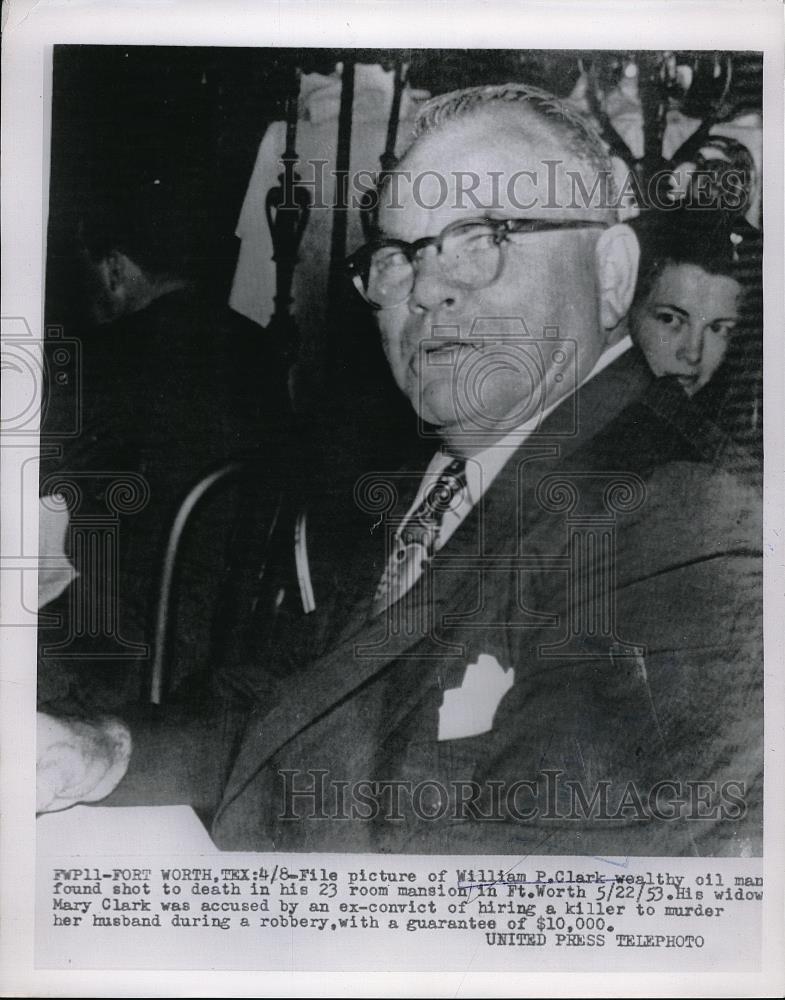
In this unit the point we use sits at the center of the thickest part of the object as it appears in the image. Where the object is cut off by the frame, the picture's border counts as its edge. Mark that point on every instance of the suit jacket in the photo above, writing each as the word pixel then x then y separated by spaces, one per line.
pixel 608 583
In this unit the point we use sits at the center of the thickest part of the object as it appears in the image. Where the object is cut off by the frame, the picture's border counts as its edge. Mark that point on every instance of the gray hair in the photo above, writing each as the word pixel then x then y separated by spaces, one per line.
pixel 562 121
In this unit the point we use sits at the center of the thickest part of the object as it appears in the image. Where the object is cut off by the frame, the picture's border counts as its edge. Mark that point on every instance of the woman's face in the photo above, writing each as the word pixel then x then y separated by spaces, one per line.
pixel 685 323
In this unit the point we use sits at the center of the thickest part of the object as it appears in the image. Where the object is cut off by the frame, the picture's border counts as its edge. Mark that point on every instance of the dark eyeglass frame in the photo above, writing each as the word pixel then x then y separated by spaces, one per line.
pixel 358 264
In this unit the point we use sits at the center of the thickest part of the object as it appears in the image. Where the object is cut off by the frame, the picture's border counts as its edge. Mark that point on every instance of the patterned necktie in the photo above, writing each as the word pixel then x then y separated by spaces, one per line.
pixel 415 543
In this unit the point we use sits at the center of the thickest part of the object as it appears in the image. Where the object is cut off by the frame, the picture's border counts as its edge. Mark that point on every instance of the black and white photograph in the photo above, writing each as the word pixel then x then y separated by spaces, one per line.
pixel 520 606
pixel 400 500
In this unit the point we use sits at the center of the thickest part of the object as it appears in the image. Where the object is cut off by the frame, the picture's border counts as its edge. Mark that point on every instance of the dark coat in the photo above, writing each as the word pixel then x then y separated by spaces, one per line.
pixel 160 397
pixel 614 564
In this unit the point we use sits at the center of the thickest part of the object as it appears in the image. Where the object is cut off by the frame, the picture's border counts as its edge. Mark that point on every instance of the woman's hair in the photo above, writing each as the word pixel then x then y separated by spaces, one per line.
pixel 709 239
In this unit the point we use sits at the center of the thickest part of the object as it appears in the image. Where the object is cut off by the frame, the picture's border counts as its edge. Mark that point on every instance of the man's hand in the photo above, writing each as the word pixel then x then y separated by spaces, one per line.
pixel 78 761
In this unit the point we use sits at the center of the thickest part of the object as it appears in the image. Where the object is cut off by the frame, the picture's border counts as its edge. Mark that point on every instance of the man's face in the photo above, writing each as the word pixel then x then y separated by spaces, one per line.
pixel 475 359
pixel 685 323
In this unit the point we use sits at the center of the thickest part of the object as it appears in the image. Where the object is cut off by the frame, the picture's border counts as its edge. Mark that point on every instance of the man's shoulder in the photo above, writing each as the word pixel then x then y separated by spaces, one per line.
pixel 663 429
pixel 699 490
pixel 675 485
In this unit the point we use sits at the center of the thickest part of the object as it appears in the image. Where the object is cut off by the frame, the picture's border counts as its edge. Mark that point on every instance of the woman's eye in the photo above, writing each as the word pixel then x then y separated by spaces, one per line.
pixel 722 328
pixel 667 318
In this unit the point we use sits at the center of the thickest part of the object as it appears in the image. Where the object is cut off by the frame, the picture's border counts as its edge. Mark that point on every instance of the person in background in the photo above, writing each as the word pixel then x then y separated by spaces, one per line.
pixel 690 298
pixel 170 384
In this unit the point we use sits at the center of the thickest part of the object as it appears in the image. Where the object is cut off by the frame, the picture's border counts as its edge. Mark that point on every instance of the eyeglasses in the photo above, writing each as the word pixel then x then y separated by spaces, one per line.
pixel 470 254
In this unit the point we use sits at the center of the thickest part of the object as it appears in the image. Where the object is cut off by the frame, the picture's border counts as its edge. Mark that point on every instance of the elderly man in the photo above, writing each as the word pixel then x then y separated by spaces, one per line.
pixel 549 641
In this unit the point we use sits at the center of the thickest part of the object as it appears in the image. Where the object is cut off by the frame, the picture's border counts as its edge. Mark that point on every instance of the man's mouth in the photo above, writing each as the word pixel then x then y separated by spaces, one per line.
pixel 437 355
pixel 444 351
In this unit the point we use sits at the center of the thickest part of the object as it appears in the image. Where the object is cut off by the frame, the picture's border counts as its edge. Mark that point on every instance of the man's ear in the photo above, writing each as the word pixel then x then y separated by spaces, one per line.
pixel 112 271
pixel 123 279
pixel 115 266
pixel 616 257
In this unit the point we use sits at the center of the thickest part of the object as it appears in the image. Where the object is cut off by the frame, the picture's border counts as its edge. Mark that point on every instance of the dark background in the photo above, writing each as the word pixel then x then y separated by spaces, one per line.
pixel 121 114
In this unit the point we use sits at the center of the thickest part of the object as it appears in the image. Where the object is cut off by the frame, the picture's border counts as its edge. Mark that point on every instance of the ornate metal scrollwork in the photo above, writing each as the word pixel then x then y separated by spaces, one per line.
pixel 287 207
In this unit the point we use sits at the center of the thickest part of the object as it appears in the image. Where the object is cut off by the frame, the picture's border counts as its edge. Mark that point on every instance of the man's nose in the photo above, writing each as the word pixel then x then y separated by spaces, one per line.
pixel 691 348
pixel 432 290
